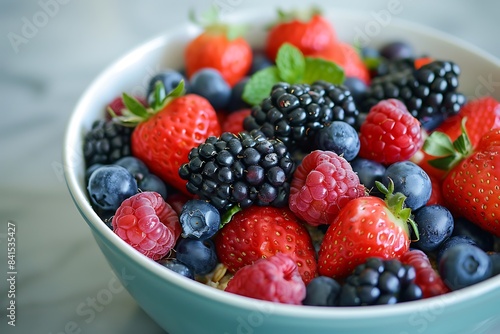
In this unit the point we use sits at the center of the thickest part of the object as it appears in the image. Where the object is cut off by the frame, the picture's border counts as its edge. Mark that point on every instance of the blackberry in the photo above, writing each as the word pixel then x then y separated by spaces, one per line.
pixel 430 92
pixel 293 113
pixel 106 142
pixel 378 282
pixel 242 169
pixel 386 66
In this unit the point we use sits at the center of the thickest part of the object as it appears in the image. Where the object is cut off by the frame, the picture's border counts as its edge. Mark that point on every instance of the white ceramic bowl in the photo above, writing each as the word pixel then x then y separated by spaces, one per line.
pixel 183 306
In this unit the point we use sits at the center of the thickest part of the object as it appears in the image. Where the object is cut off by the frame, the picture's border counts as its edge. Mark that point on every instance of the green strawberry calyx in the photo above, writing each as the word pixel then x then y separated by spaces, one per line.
pixel 228 215
pixel 292 67
pixel 448 153
pixel 300 15
pixel 135 112
pixel 211 21
pixel 396 204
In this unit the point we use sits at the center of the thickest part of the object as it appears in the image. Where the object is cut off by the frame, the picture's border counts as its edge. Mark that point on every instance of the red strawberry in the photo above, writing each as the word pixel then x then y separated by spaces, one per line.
pixel 472 188
pixel 436 194
pixel 422 61
pixel 482 115
pixel 365 227
pixel 390 133
pixel 311 34
pixel 427 278
pixel 259 232
pixel 322 184
pixel 168 130
pixel 344 55
pixel 275 279
pixel 219 46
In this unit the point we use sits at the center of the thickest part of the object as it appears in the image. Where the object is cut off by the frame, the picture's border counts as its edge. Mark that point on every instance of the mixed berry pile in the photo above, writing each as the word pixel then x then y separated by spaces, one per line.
pixel 309 172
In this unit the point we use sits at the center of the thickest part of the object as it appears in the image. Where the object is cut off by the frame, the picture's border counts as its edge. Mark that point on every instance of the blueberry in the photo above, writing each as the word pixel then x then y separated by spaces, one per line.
pixel 199 255
pixel 322 291
pixel 235 100
pixel 210 84
pixel 151 182
pixel 410 180
pixel 435 225
pixel 136 167
pixel 464 265
pixel 368 171
pixel 453 241
pixel 340 138
pixel 357 87
pixel 90 170
pixel 145 180
pixel 110 185
pixel 482 238
pixel 259 62
pixel 199 219
pixel 170 79
pixel 178 267
pixel 397 50
pixel 431 122
pixel 495 261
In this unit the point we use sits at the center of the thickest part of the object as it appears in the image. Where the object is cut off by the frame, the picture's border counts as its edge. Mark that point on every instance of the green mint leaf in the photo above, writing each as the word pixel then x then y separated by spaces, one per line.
pixel 134 106
pixel 291 63
pixel 260 84
pixel 320 69
pixel 438 144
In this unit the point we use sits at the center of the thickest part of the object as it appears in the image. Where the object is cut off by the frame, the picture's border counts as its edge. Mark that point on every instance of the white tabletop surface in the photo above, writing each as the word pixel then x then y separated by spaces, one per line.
pixel 43 71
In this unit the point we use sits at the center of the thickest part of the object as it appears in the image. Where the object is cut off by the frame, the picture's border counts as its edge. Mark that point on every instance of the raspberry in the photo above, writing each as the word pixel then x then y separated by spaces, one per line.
pixel 275 279
pixel 427 278
pixel 390 133
pixel 147 223
pixel 322 184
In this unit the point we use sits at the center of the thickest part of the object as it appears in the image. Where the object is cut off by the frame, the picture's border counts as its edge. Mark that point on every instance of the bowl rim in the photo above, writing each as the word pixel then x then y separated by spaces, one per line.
pixel 70 165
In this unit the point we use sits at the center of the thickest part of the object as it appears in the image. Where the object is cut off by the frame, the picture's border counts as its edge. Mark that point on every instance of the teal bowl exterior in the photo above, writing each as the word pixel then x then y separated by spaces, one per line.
pixel 182 306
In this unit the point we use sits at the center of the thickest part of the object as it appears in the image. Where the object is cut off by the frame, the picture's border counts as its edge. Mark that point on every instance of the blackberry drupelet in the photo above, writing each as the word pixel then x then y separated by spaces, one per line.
pixel 386 66
pixel 430 92
pixel 242 169
pixel 377 282
pixel 106 142
pixel 293 113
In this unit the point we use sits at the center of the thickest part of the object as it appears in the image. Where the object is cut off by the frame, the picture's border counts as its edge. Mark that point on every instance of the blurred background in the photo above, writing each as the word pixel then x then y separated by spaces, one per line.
pixel 50 51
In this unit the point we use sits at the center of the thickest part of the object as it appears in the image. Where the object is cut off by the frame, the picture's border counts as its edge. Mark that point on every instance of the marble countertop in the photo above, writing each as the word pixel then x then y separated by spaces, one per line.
pixel 49 53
